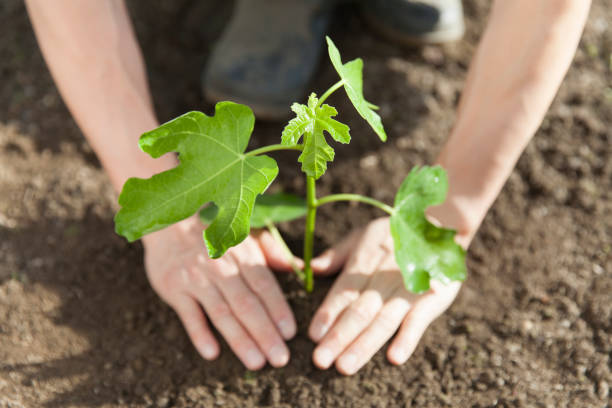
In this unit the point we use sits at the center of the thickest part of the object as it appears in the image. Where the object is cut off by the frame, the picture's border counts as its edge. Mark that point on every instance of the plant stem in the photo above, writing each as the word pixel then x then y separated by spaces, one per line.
pixel 311 204
pixel 279 238
pixel 355 197
pixel 330 91
pixel 274 147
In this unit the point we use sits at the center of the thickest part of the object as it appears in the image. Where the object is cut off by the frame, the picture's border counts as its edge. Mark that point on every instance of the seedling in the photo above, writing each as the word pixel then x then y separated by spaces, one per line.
pixel 214 168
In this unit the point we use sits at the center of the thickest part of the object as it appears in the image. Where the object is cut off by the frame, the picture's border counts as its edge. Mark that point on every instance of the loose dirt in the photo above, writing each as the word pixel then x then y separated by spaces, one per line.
pixel 532 326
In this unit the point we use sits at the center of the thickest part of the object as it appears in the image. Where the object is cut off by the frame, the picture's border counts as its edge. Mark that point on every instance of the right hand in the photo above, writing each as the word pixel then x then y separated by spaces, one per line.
pixel 238 292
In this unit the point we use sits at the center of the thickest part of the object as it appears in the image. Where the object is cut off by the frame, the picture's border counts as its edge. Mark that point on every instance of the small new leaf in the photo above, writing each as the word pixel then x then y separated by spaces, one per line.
pixel 213 168
pixel 422 250
pixel 311 121
pixel 352 75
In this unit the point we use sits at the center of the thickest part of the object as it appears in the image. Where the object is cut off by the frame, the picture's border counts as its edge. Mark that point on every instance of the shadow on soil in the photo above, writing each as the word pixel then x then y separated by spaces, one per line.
pixel 137 347
pixel 137 350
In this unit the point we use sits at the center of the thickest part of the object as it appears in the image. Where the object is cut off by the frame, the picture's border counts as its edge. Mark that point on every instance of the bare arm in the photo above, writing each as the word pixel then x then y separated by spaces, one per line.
pixel 522 57
pixel 518 67
pixel 95 60
pixel 93 55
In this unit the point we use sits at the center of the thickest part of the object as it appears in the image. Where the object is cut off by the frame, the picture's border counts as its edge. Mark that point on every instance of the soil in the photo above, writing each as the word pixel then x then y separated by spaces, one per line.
pixel 532 326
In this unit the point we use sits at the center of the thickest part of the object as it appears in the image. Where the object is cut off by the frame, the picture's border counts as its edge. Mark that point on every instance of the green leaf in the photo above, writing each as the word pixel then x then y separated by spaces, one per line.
pixel 352 75
pixel 213 168
pixel 422 250
pixel 269 208
pixel 209 212
pixel 275 208
pixel 311 121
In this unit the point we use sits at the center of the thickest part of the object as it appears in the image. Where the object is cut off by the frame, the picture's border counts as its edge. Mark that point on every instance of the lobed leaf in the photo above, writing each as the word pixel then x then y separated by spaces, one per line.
pixel 269 208
pixel 310 122
pixel 422 250
pixel 352 75
pixel 212 168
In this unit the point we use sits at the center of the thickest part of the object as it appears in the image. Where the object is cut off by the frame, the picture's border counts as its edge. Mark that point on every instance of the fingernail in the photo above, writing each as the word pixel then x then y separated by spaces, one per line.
pixel 323 356
pixel 254 359
pixel 348 363
pixel 321 263
pixel 287 328
pixel 318 330
pixel 208 351
pixel 315 263
pixel 399 355
pixel 279 355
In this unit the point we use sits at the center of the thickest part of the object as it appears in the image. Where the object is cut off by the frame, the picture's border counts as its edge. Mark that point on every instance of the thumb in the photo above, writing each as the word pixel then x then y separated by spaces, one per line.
pixel 332 259
pixel 276 255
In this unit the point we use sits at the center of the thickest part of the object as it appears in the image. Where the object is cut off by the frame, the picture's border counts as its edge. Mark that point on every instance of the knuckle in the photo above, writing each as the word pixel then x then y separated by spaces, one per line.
pixel 362 313
pixel 164 283
pixel 219 310
pixel 218 268
pixel 342 300
pixel 197 276
pixel 337 337
pixel 386 323
pixel 262 284
pixel 244 303
pixel 349 296
pixel 325 317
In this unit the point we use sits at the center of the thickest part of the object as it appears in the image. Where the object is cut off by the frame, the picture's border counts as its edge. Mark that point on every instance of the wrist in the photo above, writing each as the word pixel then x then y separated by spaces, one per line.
pixel 120 154
pixel 175 232
pixel 134 163
pixel 473 186
pixel 454 214
pixel 478 158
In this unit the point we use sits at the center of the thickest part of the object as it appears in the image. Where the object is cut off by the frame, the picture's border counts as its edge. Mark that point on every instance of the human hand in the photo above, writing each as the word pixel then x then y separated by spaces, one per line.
pixel 368 303
pixel 237 291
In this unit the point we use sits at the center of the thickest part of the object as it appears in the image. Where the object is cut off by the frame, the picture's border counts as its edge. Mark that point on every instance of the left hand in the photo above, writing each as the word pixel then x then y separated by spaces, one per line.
pixel 368 303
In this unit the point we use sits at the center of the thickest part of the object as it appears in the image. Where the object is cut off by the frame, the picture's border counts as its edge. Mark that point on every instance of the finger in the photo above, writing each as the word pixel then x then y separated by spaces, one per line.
pixel 374 337
pixel 345 290
pixel 248 309
pixel 352 322
pixel 223 319
pixel 261 281
pixel 333 259
pixel 411 331
pixel 275 254
pixel 425 309
pixel 195 324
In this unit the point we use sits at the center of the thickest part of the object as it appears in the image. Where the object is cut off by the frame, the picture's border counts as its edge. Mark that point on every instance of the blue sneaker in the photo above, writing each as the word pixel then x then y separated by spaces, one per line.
pixel 416 21
pixel 267 54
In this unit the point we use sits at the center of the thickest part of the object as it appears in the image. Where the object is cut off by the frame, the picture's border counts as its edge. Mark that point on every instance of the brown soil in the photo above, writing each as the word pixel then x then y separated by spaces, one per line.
pixel 80 326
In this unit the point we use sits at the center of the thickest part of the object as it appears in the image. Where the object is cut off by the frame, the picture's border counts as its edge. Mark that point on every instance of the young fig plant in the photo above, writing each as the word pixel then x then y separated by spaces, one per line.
pixel 226 184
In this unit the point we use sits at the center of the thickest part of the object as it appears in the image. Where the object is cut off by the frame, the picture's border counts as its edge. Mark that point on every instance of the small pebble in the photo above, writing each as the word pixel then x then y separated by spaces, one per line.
pixel 603 389
pixel 526 326
pixel 369 161
pixel 162 402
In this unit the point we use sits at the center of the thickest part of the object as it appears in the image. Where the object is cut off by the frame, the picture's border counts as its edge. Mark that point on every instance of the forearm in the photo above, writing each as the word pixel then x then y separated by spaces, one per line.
pixel 92 53
pixel 523 56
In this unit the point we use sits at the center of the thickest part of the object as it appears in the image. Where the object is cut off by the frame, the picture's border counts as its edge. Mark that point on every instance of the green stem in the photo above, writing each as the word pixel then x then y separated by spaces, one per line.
pixel 355 197
pixel 311 215
pixel 274 147
pixel 330 91
pixel 279 238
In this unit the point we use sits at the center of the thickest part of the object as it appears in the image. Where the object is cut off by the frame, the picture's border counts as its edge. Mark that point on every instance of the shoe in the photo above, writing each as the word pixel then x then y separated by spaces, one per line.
pixel 416 21
pixel 267 54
